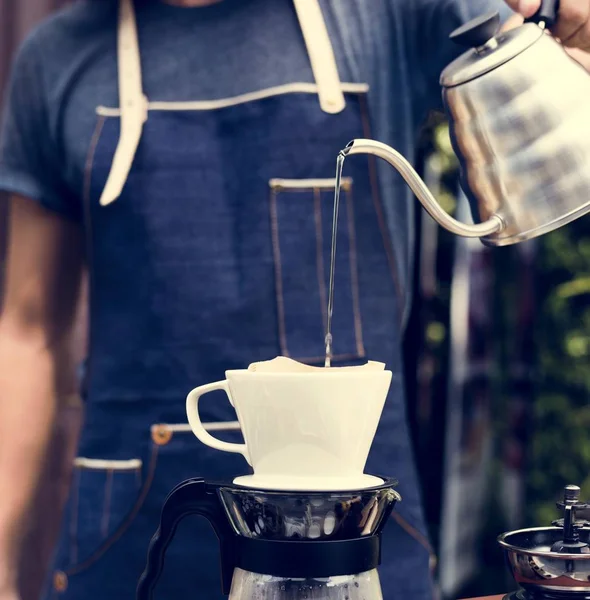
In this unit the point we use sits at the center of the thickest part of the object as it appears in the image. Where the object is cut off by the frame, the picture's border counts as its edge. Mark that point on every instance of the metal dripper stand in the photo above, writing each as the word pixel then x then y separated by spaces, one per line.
pixel 571 522
pixel 281 545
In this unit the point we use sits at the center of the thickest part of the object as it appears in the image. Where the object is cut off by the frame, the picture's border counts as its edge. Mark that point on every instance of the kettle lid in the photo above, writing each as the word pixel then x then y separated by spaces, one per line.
pixel 489 48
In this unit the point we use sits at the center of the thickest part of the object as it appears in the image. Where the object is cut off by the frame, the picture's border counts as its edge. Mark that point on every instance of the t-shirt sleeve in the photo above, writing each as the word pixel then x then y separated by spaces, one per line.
pixel 30 161
pixel 432 23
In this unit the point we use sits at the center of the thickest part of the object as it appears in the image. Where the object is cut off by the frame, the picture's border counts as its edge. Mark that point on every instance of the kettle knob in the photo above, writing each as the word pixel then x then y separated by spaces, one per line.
pixel 478 31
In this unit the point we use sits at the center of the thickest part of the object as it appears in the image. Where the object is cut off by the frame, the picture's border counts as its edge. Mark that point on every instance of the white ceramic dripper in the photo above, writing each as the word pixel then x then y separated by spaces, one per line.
pixel 305 428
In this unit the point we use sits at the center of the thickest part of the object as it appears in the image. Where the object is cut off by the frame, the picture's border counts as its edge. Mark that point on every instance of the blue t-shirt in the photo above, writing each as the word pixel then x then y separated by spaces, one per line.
pixel 68 66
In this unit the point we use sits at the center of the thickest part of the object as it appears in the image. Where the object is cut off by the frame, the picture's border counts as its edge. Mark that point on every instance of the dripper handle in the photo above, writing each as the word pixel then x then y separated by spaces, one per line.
pixel 547 14
pixel 192 413
pixel 192 497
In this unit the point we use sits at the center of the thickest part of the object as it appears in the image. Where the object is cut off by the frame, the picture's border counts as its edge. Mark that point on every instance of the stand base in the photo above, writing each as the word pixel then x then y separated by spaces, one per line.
pixel 545 594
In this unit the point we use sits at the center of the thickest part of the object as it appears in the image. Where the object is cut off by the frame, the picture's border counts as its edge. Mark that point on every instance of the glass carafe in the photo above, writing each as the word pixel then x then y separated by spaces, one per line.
pixel 283 545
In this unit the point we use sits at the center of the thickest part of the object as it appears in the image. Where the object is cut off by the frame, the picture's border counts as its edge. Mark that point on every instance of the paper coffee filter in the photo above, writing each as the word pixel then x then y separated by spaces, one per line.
pixel 282 364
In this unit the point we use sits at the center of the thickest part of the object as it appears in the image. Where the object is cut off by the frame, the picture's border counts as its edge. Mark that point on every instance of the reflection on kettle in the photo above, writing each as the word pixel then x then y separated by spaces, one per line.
pixel 520 125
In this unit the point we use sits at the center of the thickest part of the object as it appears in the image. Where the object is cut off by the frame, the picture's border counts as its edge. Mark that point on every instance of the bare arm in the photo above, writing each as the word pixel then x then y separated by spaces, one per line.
pixel 42 282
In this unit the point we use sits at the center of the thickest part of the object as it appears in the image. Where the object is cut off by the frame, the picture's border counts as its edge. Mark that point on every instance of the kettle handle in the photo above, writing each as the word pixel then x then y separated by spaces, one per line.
pixel 361 146
pixel 546 14
pixel 192 497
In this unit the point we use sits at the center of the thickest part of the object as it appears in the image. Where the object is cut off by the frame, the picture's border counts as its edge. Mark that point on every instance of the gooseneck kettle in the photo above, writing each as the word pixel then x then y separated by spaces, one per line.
pixel 519 114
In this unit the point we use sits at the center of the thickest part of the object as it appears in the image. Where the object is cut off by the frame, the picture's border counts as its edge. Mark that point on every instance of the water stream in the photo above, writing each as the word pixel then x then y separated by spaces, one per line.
pixel 329 338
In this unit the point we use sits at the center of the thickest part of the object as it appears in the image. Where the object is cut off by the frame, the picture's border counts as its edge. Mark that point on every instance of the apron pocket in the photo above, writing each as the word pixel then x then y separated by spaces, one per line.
pixel 103 494
pixel 90 558
pixel 301 218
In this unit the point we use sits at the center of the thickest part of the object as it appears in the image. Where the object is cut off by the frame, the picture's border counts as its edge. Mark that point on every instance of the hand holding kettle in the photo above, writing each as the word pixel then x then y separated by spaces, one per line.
pixel 519 123
pixel 572 27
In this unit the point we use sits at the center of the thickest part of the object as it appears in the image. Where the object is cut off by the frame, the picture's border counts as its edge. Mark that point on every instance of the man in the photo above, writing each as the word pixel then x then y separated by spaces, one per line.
pixel 183 152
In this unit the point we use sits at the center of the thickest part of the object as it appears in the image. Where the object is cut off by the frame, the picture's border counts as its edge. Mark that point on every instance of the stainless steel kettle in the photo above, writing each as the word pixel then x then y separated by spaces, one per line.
pixel 519 111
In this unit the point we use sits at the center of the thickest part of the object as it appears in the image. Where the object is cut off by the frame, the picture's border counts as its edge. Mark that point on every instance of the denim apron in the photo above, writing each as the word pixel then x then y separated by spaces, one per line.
pixel 208 226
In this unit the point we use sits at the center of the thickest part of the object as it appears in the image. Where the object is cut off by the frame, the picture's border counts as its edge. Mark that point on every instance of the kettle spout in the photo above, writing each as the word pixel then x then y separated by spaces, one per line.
pixel 363 146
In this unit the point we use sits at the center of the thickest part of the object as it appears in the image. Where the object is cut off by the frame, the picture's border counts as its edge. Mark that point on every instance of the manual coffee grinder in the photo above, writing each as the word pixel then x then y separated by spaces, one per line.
pixel 307 524
pixel 552 563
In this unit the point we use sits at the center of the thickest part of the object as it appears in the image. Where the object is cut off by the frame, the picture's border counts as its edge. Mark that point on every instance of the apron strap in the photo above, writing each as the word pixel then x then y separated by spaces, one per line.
pixel 132 103
pixel 321 55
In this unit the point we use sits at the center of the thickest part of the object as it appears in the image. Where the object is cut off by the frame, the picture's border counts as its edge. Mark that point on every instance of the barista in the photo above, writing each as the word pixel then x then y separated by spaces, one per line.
pixel 183 152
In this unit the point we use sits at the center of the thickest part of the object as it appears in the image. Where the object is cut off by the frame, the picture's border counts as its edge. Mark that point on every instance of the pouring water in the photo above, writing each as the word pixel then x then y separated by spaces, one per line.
pixel 329 338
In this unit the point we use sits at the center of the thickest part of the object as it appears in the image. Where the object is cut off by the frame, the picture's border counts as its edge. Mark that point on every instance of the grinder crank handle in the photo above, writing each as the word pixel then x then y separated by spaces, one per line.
pixel 192 497
pixel 547 14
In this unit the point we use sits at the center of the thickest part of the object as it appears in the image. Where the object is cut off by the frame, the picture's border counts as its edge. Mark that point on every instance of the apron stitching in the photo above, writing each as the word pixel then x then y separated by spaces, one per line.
pixel 106 511
pixel 279 291
pixel 99 464
pixel 86 201
pixel 209 426
pixel 414 533
pixel 74 519
pixel 305 184
pixel 278 273
pixel 301 190
pixel 90 158
pixel 77 569
pixel 379 207
pixel 264 94
pixel 317 209
pixel 358 325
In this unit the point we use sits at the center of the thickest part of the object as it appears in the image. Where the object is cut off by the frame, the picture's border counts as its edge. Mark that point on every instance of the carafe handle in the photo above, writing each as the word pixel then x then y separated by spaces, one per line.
pixel 192 497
